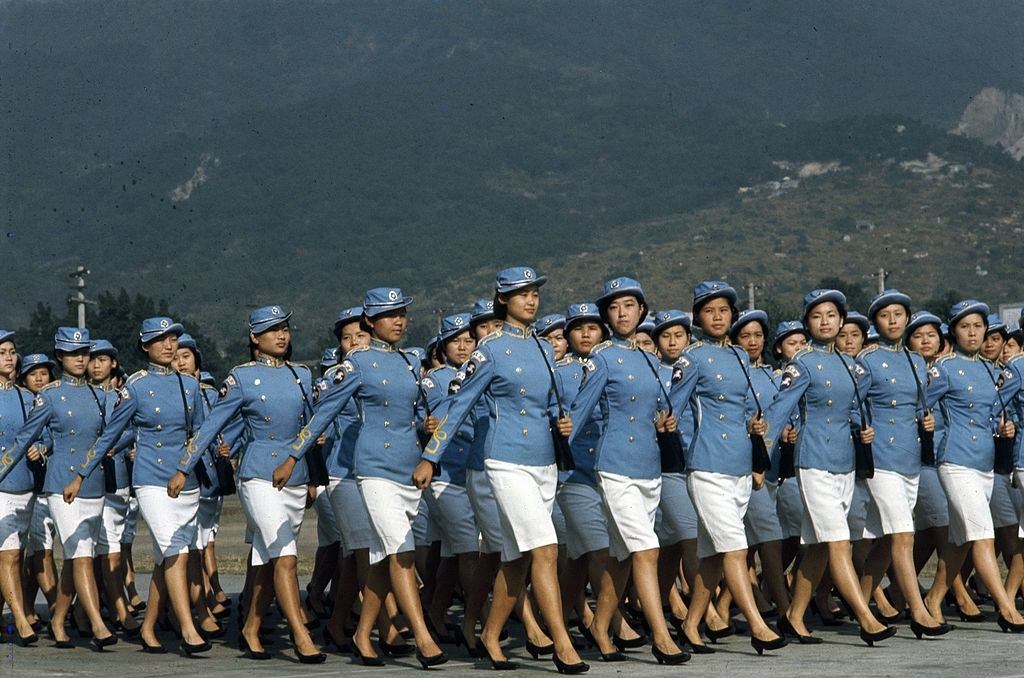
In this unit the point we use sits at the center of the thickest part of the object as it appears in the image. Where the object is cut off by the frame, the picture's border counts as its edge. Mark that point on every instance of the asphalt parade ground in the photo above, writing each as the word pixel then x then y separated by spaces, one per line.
pixel 970 650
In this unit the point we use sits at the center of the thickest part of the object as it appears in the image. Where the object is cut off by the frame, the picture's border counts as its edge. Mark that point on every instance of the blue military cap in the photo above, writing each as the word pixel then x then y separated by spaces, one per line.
pixel 454 325
pixel 619 287
pixel 647 325
pixel 962 309
pixel 34 360
pixel 516 278
pixel 885 299
pixel 749 316
pixel 329 357
pixel 102 347
pixel 585 311
pixel 186 340
pixel 872 335
pixel 820 296
pixel 922 318
pixel 432 345
pixel 996 324
pixel 207 378
pixel 70 339
pixel 665 319
pixel 419 352
pixel 858 319
pixel 346 316
pixel 382 300
pixel 548 323
pixel 483 310
pixel 154 328
pixel 267 317
pixel 6 335
pixel 788 327
pixel 1015 332
pixel 712 289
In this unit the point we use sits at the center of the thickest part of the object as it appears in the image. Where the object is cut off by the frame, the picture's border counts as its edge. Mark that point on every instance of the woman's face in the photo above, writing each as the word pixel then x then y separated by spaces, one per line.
pixel 824 321
pixel 458 349
pixel 37 378
pixel 671 342
pixel 388 327
pixel 751 339
pixel 969 333
pixel 926 341
pixel 1010 349
pixel 75 362
pixel 624 314
pixel 274 342
pixel 584 336
pixel 161 351
pixel 992 347
pixel 645 342
pixel 891 322
pixel 523 304
pixel 850 339
pixel 8 360
pixel 100 367
pixel 715 318
pixel 558 342
pixel 185 362
pixel 485 327
pixel 790 345
pixel 352 336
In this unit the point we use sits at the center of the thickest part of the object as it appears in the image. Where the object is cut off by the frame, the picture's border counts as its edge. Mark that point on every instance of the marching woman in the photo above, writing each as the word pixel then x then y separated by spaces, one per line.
pixel 624 388
pixel 762 520
pixel 384 382
pixel 274 398
pixel 512 373
pixel 74 413
pixel 16 490
pixel 971 404
pixel 821 382
pixel 711 378
pixel 163 407
pixel 890 381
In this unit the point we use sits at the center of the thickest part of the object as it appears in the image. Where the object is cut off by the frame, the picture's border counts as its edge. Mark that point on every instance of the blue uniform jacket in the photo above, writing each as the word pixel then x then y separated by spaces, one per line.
pixel 820 382
pixel 15 404
pixel 624 389
pixel 709 379
pixel 509 373
pixel 1013 394
pixel 453 465
pixel 383 383
pixel 887 384
pixel 571 372
pixel 269 398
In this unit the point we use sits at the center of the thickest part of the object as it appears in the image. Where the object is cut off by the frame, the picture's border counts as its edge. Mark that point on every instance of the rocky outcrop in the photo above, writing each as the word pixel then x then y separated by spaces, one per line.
pixel 995 117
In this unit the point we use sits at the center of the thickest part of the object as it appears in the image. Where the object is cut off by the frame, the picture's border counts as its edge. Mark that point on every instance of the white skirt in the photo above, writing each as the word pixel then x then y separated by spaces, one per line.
pixel 131 521
pixel 392 508
pixel 630 505
pixel 721 502
pixel 172 522
pixel 15 519
pixel 677 519
pixel 932 509
pixel 1002 506
pixel 42 527
pixel 789 507
pixel 78 524
pixel 857 514
pixel 827 497
pixel 327 532
pixel 761 523
pixel 526 497
pixel 485 510
pixel 115 512
pixel 969 492
pixel 891 510
pixel 351 516
pixel 275 517
pixel 449 504
pixel 208 520
pixel 586 529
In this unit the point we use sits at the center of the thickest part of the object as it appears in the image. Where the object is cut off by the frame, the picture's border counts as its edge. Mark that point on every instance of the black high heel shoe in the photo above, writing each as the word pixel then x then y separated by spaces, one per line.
pixel 315 658
pixel 365 659
pixel 98 644
pixel 498 664
pixel 435 660
pixel 680 657
pixel 830 620
pixel 396 650
pixel 569 669
pixel 588 637
pixel 131 634
pixel 760 646
pixel 621 644
pixel 788 629
pixel 694 647
pixel 250 653
pixel 971 618
pixel 714 636
pixel 189 650
pixel 889 618
pixel 59 644
pixel 210 635
pixel 153 649
pixel 872 638
pixel 25 641
pixel 1008 626
pixel 931 631
pixel 537 651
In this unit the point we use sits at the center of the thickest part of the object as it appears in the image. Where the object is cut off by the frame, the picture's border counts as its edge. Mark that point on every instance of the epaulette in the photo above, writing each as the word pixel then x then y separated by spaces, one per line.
pixel 294 364
pixel 248 364
pixel 866 350
pixel 207 386
pixel 490 337
pixel 432 370
pixel 806 350
pixel 357 349
pixel 944 358
pixel 565 360
pixel 600 347
pixel 1015 357
pixel 693 345
pixel 135 377
pixel 53 384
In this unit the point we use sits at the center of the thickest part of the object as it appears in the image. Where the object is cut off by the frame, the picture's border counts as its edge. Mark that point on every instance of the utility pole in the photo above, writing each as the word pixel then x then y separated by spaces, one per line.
pixel 881 280
pixel 750 296
pixel 79 298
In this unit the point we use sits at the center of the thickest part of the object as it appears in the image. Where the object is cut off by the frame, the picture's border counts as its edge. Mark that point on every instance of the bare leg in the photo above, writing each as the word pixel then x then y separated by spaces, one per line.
pixel 88 596
pixel 734 566
pixel 774 574
pixel 403 585
pixel 261 591
pixel 805 583
pixel 10 587
pixel 987 568
pixel 507 587
pixel 609 592
pixel 286 589
pixel 708 574
pixel 111 570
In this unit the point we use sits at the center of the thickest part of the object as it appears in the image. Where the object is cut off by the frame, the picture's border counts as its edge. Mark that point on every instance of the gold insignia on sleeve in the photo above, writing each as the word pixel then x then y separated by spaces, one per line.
pixel 302 437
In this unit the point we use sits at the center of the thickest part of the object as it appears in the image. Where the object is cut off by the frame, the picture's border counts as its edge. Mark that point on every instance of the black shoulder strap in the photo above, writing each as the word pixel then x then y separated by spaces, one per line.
pixel 750 383
pixel 917 380
pixel 551 373
pixel 1002 403
pixel 307 412
pixel 21 401
pixel 102 408
pixel 421 394
pixel 865 413
pixel 657 378
pixel 184 405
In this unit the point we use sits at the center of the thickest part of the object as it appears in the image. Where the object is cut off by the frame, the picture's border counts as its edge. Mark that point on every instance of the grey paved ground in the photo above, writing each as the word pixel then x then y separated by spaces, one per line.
pixel 971 650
